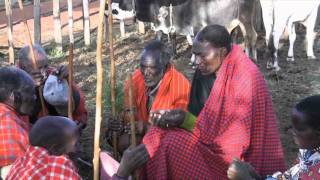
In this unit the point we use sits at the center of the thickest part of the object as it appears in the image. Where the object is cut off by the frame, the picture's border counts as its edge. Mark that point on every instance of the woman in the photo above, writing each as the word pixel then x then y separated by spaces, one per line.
pixel 306 134
pixel 237 120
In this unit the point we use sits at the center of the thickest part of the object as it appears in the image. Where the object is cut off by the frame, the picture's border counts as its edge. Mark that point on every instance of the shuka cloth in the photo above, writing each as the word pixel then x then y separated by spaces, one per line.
pixel 237 121
pixel 38 164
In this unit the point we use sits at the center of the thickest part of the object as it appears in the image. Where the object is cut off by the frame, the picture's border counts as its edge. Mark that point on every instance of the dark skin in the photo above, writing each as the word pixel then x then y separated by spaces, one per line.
pixel 132 159
pixel 304 135
pixel 152 72
pixel 39 75
pixel 208 60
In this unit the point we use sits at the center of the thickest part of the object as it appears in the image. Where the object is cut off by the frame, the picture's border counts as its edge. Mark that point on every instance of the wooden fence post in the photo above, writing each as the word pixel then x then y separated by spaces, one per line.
pixel 9 27
pixel 86 22
pixel 57 24
pixel 37 22
pixel 70 21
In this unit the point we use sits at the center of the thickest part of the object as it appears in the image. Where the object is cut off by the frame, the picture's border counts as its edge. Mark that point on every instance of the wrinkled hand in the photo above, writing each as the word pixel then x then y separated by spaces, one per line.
pixel 167 118
pixel 132 159
pixel 62 73
pixel 239 170
pixel 37 77
pixel 116 124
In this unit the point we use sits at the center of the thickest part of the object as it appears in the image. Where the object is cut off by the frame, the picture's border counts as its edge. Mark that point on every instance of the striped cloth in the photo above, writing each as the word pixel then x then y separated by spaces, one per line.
pixel 237 121
pixel 38 164
pixel 13 135
pixel 173 93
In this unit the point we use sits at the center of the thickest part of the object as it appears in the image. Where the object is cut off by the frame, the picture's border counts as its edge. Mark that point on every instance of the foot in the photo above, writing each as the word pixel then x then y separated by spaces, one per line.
pixel 290 58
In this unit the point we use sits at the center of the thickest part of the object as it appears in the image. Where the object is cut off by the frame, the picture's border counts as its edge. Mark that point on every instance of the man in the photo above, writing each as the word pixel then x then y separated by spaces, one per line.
pixel 156 85
pixel 237 120
pixel 17 98
pixel 52 138
pixel 40 76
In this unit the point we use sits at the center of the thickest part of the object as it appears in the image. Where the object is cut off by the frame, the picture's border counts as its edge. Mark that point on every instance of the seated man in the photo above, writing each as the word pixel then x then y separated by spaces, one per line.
pixel 40 76
pixel 156 85
pixel 16 100
pixel 237 121
pixel 52 138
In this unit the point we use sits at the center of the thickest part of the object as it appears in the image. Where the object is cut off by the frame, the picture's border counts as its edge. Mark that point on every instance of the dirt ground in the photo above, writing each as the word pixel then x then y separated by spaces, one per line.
pixel 295 81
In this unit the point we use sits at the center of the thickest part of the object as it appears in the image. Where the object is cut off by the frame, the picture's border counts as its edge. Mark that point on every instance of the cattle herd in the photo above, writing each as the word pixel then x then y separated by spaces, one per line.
pixel 187 17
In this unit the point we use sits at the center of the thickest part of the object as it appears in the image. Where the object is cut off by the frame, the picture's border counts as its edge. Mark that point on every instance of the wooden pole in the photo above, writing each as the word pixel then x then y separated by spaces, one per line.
pixel 99 92
pixel 86 22
pixel 141 28
pixel 37 22
pixel 113 78
pixel 57 24
pixel 131 114
pixel 70 80
pixel 70 21
pixel 33 57
pixel 9 27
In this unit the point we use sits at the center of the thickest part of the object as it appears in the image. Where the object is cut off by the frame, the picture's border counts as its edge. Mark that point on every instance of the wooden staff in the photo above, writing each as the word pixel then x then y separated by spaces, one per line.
pixel 113 79
pixel 9 26
pixel 99 93
pixel 33 57
pixel 131 113
pixel 70 80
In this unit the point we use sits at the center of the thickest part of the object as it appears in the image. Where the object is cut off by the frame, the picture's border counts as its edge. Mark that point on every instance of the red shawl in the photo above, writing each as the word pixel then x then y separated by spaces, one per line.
pixel 173 93
pixel 237 121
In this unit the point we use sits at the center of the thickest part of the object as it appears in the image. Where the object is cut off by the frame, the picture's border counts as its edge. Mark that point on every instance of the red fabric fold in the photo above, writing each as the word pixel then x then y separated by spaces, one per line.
pixel 237 121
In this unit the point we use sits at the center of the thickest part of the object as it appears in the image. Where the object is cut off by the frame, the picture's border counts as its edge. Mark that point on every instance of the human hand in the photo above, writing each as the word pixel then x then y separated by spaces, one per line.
pixel 167 118
pixel 116 124
pixel 62 73
pixel 132 159
pixel 239 170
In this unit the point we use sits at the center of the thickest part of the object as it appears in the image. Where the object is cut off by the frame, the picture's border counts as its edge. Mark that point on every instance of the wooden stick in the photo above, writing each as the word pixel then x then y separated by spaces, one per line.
pixel 113 79
pixel 131 113
pixel 33 57
pixel 70 21
pixel 99 93
pixel 37 22
pixel 9 26
pixel 70 80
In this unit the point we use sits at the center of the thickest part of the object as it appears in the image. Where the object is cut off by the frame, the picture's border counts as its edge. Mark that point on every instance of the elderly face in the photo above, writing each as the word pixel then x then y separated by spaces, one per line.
pixel 151 69
pixel 42 67
pixel 208 59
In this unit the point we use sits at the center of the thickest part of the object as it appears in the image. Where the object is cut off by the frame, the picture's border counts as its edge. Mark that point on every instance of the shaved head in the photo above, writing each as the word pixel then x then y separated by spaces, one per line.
pixel 53 133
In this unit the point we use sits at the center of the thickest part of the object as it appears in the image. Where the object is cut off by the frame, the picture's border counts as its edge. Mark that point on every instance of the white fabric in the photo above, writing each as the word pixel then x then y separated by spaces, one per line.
pixel 55 92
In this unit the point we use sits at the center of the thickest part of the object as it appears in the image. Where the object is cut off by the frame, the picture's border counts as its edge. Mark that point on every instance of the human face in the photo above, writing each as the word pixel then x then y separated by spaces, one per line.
pixel 208 59
pixel 42 67
pixel 151 70
pixel 72 138
pixel 25 100
pixel 304 135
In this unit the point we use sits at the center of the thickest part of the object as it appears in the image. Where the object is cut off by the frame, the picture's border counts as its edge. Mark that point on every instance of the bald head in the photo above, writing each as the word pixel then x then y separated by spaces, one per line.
pixel 54 133
pixel 25 59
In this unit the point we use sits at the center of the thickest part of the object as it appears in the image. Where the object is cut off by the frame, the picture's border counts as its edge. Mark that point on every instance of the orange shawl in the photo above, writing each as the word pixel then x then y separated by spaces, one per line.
pixel 173 93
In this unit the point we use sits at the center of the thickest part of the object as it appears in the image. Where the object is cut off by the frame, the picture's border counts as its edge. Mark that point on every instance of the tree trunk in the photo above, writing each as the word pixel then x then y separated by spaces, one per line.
pixel 70 21
pixel 9 26
pixel 37 22
pixel 57 24
pixel 86 22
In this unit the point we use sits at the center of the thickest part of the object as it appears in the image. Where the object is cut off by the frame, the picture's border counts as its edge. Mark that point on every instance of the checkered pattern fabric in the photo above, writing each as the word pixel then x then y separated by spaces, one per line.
pixel 237 121
pixel 13 135
pixel 38 164
pixel 173 93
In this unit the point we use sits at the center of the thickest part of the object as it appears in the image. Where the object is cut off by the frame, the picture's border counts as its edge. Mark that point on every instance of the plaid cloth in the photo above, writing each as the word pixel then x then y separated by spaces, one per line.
pixel 38 164
pixel 237 121
pixel 13 135
pixel 173 93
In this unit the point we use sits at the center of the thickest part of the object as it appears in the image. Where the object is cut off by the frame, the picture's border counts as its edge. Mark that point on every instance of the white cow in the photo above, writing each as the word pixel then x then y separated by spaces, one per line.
pixel 279 14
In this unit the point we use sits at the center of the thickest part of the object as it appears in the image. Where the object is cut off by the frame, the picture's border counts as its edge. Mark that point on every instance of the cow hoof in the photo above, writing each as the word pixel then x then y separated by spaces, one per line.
pixel 312 57
pixel 290 58
pixel 276 68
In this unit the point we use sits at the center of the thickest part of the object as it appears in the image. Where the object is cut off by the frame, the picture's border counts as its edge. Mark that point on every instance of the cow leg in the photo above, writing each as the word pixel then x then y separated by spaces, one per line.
pixel 276 41
pixel 173 37
pixel 159 35
pixel 122 28
pixel 311 21
pixel 292 38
